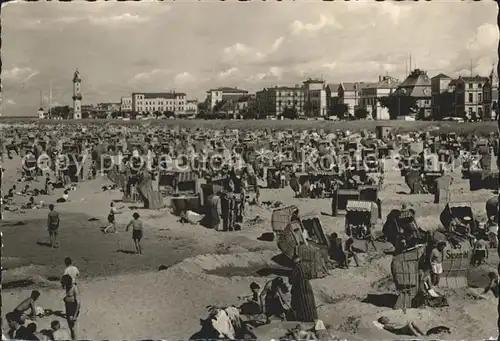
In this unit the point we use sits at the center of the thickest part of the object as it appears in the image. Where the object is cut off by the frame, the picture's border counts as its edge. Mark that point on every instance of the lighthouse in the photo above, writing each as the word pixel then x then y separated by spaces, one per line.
pixel 77 96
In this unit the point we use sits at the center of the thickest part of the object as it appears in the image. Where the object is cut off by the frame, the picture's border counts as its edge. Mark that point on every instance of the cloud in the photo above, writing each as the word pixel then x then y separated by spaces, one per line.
pixel 273 73
pixel 10 102
pixel 148 75
pixel 227 73
pixel 184 78
pixel 22 74
pixel 298 27
pixel 485 37
pixel 239 52
pixel 277 43
pixel 117 19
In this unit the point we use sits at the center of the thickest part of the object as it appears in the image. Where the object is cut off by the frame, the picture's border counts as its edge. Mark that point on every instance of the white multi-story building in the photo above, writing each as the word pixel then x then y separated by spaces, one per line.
pixel 191 107
pixel 370 94
pixel 315 104
pixel 218 95
pixel 147 102
pixel 126 104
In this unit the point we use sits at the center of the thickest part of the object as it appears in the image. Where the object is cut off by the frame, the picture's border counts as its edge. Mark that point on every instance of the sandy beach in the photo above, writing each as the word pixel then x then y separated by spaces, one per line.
pixel 123 292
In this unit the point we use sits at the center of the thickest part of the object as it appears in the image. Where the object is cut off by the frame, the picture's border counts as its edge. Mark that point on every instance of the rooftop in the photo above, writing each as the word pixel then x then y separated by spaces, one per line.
pixel 476 78
pixel 167 95
pixel 440 76
pixel 384 82
pixel 228 90
pixel 351 86
pixel 417 84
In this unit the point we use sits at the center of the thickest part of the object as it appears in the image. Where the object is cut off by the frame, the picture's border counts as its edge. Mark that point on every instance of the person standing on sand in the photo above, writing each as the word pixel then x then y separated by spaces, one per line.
pixel 303 303
pixel 71 269
pixel 137 228
pixel 71 303
pixel 436 261
pixel 53 226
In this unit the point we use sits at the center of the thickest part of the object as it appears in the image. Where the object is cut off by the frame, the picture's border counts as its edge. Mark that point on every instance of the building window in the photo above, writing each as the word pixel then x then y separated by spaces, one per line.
pixel 479 98
pixel 471 86
pixel 471 98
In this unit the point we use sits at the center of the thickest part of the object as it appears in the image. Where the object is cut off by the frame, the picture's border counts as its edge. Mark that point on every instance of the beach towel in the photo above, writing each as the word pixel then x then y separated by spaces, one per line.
pixel 222 324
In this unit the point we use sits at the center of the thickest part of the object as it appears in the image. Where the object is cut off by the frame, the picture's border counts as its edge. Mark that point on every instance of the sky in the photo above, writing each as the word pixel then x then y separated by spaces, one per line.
pixel 190 47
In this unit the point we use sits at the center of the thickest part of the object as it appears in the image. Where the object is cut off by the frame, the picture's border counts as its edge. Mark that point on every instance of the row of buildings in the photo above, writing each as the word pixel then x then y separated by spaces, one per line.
pixel 437 97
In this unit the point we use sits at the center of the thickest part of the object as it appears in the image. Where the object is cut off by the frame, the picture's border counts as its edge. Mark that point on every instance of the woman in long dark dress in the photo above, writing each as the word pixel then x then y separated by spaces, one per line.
pixel 303 303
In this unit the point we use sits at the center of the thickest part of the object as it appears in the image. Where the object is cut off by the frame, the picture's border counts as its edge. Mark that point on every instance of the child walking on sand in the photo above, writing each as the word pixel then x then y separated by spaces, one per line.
pixel 111 219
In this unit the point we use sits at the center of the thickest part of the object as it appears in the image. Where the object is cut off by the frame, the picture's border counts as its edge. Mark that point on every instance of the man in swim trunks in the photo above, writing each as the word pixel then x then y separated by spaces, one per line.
pixel 28 304
pixel 136 225
pixel 53 226
pixel 72 303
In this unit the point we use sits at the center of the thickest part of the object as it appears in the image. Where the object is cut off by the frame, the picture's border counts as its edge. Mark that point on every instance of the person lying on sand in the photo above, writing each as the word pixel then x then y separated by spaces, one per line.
pixel 410 329
pixel 64 197
pixel 299 333
pixel 28 304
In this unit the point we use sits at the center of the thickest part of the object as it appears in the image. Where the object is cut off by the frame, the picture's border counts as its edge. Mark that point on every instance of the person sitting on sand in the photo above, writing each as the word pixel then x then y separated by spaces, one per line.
pixel 28 304
pixel 480 252
pixel 349 252
pixel 58 333
pixel 272 301
pixel 137 231
pixel 72 303
pixel 32 328
pixel 252 304
pixel 16 329
pixel 410 329
pixel 494 284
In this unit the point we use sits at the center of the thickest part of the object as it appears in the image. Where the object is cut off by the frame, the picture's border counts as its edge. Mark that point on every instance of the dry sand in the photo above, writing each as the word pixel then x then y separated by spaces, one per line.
pixel 125 297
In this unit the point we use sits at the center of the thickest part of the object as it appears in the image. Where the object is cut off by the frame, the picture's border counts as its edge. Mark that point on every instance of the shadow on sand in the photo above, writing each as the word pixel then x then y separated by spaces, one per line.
pixel 44 244
pixel 381 300
pixel 128 252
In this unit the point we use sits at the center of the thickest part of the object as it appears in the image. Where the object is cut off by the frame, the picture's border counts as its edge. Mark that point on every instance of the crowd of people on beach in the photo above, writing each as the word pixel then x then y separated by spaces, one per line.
pixel 22 320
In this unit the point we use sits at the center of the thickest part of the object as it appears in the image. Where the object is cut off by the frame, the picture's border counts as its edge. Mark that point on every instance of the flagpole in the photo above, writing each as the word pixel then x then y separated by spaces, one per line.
pixel 50 100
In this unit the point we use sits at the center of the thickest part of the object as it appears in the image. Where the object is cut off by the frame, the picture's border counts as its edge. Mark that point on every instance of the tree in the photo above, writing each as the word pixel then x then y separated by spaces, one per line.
pixel 290 113
pixel 114 115
pixel 61 111
pixel 218 105
pixel 169 114
pixel 157 114
pixel 361 113
pixel 399 105
pixel 202 106
pixel 340 110
pixel 445 106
